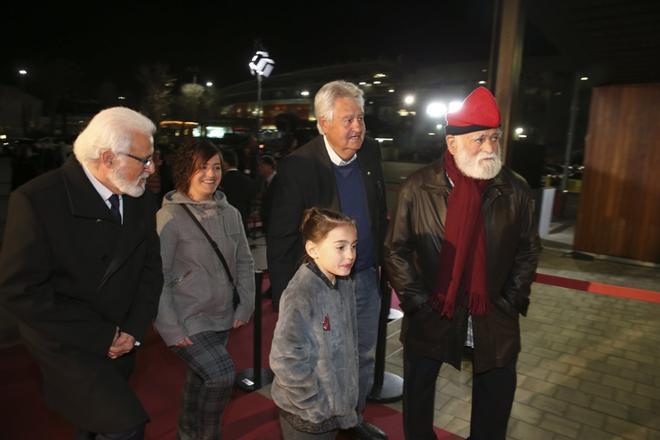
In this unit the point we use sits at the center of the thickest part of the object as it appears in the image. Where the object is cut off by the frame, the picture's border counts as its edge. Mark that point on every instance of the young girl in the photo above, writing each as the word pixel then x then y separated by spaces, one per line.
pixel 314 354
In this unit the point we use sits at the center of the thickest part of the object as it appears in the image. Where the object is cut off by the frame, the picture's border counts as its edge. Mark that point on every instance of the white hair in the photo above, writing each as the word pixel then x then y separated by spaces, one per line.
pixel 324 101
pixel 111 129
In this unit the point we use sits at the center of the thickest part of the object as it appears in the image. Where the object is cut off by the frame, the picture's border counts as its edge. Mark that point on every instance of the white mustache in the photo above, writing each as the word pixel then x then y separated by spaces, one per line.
pixel 482 155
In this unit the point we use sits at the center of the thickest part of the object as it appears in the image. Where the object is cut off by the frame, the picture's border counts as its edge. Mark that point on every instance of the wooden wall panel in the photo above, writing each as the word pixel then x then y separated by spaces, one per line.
pixel 619 209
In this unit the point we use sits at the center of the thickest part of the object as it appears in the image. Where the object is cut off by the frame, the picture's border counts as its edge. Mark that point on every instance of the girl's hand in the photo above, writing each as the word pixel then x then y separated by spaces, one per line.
pixel 185 342
pixel 238 323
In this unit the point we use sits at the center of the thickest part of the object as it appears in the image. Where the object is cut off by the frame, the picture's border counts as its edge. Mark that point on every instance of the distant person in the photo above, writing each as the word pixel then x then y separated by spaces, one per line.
pixel 25 164
pixel 80 270
pixel 154 182
pixel 314 353
pixel 197 308
pixel 267 170
pixel 461 253
pixel 340 170
pixel 165 168
pixel 240 189
pixel 247 156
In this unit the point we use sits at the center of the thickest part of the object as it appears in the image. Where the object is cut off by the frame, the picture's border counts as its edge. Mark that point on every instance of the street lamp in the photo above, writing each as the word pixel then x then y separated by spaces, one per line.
pixel 260 66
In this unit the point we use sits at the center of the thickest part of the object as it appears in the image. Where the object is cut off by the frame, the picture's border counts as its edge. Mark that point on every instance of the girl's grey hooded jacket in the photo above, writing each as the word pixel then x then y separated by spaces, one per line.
pixel 197 294
pixel 314 353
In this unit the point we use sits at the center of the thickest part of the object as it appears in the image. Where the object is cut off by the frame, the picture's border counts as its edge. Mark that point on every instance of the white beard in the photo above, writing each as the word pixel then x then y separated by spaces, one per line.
pixel 133 189
pixel 483 166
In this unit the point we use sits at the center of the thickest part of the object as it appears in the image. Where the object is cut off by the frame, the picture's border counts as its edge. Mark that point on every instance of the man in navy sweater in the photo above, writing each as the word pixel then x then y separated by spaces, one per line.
pixel 339 169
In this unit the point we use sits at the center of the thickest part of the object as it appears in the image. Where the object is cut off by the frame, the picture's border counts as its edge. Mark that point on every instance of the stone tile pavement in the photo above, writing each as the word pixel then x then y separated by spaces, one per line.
pixel 589 366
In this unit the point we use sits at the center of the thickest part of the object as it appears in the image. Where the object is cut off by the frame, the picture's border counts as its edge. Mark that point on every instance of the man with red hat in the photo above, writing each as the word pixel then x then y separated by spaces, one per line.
pixel 461 253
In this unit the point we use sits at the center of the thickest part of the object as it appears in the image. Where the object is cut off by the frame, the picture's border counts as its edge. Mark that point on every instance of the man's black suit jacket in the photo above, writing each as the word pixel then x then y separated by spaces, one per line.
pixel 71 275
pixel 241 190
pixel 305 179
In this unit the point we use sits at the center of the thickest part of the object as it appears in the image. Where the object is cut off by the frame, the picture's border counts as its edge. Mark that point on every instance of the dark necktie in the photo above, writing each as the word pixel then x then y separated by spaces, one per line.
pixel 114 207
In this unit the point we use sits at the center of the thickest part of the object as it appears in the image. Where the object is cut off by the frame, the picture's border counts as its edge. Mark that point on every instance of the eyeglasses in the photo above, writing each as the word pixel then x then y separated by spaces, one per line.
pixel 146 161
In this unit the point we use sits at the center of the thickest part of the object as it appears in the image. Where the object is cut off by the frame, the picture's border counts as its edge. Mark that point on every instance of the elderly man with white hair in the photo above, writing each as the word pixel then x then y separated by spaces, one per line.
pixel 80 270
pixel 340 169
pixel 461 253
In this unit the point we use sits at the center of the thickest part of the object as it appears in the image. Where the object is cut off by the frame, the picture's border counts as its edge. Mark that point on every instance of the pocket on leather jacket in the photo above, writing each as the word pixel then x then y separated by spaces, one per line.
pixel 424 317
pixel 506 307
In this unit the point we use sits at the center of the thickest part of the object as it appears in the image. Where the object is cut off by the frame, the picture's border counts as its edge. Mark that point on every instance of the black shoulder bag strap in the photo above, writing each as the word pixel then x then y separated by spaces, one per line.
pixel 236 299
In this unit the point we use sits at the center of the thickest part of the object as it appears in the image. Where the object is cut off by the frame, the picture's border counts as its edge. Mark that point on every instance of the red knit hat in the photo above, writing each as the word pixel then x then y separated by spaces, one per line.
pixel 478 112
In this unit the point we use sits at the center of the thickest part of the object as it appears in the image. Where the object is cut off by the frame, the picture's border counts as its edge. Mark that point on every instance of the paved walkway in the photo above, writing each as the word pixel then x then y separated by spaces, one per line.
pixel 590 363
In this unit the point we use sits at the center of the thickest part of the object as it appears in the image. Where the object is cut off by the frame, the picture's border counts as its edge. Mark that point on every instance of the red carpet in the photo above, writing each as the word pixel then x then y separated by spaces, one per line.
pixel 158 380
pixel 256 410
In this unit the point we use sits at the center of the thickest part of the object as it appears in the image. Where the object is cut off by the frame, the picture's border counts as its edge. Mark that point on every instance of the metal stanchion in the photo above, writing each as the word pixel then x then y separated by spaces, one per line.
pixel 254 378
pixel 387 387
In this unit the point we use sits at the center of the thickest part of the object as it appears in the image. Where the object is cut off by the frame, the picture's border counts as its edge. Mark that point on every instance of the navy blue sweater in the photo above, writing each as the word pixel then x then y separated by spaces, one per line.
pixel 353 202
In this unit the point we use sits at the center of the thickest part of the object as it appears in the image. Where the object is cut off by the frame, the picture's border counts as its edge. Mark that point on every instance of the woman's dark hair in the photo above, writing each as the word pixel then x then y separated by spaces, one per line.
pixel 318 222
pixel 188 158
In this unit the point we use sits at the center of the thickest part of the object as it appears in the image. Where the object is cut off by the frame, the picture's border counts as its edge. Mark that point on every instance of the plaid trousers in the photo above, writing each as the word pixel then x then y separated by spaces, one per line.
pixel 208 387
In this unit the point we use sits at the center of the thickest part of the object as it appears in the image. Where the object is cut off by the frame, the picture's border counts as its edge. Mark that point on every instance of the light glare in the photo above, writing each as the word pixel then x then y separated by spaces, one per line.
pixel 436 109
pixel 455 106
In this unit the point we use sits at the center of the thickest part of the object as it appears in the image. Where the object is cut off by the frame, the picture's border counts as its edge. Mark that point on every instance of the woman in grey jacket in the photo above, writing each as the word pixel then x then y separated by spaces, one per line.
pixel 314 352
pixel 196 309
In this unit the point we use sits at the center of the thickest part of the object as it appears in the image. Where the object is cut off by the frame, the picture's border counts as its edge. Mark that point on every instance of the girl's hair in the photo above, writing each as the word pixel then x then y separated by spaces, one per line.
pixel 188 158
pixel 318 222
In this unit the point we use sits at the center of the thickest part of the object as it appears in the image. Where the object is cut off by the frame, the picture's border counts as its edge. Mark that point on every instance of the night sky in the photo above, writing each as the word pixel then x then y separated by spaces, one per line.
pixel 107 42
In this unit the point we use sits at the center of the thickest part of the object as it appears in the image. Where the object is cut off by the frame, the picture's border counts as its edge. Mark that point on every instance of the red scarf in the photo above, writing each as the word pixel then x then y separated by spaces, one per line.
pixel 463 253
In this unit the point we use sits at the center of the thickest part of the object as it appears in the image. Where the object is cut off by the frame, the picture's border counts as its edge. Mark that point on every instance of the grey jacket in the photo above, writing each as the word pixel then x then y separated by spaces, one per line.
pixel 197 294
pixel 314 353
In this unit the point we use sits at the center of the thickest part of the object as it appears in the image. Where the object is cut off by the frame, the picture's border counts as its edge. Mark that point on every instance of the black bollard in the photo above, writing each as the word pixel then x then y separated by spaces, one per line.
pixel 254 378
pixel 387 387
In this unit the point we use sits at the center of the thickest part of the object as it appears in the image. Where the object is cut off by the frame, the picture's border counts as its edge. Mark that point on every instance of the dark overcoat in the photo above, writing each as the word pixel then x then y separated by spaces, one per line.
pixel 412 259
pixel 71 276
pixel 241 190
pixel 305 179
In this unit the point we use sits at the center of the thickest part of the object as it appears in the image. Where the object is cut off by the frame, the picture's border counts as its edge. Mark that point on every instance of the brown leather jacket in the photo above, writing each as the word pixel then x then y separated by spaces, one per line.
pixel 412 253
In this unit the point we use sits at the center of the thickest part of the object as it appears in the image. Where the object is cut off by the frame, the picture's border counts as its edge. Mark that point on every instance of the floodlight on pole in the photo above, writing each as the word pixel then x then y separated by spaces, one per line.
pixel 260 66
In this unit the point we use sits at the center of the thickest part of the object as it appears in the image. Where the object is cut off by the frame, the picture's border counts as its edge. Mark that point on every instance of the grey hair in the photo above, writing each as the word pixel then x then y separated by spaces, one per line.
pixel 324 101
pixel 111 129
